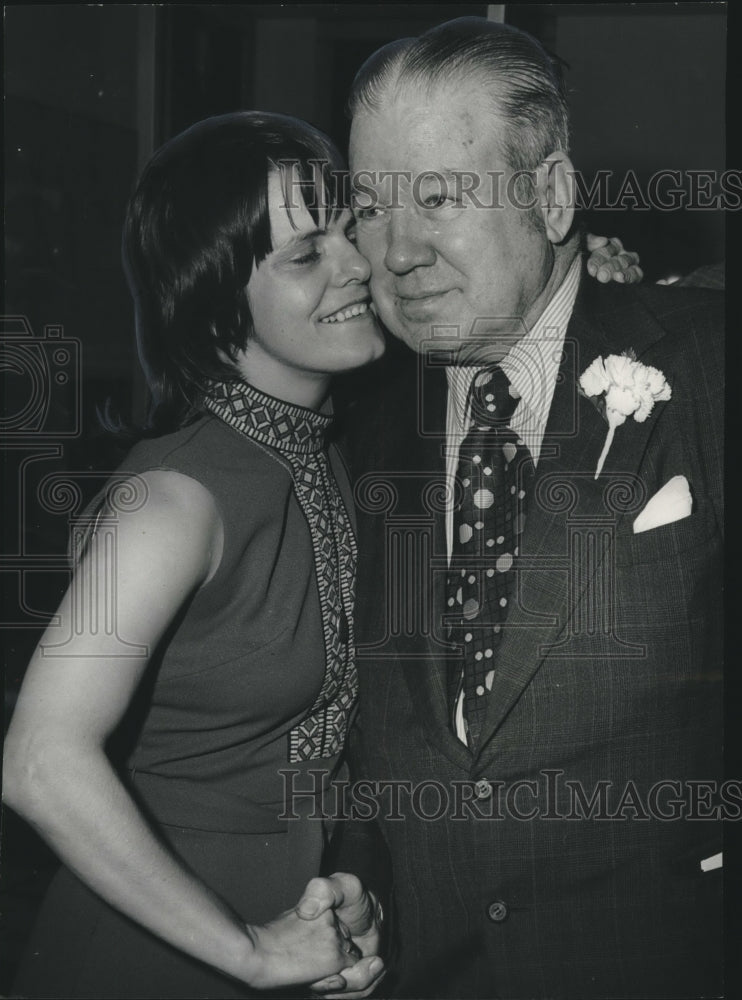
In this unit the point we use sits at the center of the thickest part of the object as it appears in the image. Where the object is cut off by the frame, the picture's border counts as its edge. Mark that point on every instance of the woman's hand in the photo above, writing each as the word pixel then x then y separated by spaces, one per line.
pixel 291 950
pixel 608 261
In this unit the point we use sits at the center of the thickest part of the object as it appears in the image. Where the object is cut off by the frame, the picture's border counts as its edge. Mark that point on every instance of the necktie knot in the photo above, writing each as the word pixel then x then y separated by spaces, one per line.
pixel 491 402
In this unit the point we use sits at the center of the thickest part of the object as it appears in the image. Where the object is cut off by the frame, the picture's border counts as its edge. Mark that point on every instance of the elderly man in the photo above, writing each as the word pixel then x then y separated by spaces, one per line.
pixel 539 483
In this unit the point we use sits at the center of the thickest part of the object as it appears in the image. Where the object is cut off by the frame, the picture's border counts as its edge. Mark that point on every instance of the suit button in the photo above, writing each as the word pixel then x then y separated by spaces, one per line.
pixel 483 789
pixel 497 911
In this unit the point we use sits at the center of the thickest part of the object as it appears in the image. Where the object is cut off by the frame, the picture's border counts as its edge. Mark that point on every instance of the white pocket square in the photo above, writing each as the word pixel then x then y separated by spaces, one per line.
pixel 672 503
pixel 709 864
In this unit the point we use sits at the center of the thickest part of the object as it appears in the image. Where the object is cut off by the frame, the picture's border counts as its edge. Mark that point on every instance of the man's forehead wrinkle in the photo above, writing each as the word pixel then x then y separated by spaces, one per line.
pixel 418 129
pixel 432 115
pixel 426 139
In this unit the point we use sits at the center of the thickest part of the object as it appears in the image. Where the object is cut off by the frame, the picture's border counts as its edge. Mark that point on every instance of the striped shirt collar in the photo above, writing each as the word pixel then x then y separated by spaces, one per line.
pixel 531 365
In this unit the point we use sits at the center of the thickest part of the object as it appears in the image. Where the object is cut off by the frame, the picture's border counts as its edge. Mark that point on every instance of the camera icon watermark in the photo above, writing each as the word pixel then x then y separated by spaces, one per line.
pixel 43 382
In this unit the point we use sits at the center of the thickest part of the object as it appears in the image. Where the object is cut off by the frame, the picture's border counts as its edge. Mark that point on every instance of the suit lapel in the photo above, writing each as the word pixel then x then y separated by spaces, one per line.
pixel 564 488
pixel 574 437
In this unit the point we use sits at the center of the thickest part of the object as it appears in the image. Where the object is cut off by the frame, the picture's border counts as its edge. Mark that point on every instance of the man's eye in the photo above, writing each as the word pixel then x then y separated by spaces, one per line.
pixel 367 214
pixel 437 201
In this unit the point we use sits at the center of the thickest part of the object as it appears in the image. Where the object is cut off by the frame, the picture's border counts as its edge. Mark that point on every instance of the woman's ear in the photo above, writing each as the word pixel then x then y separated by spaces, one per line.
pixel 556 183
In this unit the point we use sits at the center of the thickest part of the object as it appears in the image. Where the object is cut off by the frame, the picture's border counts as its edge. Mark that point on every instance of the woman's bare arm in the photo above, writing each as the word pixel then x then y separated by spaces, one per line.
pixel 59 778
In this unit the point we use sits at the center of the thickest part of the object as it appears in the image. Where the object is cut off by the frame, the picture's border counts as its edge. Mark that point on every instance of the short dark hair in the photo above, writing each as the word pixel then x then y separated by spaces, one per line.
pixel 195 226
pixel 531 102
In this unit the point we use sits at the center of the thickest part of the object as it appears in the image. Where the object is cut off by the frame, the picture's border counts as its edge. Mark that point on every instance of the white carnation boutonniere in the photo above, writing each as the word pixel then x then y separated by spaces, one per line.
pixel 624 387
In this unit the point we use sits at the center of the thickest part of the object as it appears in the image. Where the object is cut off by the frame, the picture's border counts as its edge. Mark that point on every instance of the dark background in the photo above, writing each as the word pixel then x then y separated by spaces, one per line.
pixel 91 91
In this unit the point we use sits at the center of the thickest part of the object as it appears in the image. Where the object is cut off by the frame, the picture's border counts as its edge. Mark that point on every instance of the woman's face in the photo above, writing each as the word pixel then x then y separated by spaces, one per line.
pixel 309 299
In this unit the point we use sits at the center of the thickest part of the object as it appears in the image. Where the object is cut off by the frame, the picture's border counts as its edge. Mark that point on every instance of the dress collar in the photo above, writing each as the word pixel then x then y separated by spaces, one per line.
pixel 284 426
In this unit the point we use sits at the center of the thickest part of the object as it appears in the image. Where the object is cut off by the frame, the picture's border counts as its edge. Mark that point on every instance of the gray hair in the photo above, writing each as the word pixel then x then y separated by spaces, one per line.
pixel 531 97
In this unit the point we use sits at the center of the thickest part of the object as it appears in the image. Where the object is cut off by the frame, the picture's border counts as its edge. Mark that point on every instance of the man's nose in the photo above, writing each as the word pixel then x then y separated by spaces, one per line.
pixel 407 246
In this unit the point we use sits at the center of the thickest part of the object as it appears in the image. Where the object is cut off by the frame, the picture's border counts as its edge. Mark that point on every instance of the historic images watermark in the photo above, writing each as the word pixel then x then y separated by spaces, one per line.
pixel 665 190
pixel 551 795
pixel 43 413
pixel 370 191
pixel 42 376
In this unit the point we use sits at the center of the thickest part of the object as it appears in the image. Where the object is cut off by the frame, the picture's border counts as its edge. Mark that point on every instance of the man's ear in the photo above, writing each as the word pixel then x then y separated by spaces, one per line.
pixel 556 183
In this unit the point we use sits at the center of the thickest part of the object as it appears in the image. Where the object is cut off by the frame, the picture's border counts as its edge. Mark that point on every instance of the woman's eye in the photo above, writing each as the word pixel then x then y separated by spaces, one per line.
pixel 307 258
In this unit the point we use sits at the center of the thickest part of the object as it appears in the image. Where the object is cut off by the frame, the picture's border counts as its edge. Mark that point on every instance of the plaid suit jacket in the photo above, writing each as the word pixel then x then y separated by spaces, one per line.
pixel 563 859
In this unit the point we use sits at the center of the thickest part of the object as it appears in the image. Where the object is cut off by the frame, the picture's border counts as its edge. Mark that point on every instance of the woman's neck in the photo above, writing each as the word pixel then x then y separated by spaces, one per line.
pixel 293 385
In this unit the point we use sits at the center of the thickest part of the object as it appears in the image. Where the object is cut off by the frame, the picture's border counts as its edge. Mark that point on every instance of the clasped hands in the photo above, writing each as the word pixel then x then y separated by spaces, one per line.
pixel 358 916
pixel 329 940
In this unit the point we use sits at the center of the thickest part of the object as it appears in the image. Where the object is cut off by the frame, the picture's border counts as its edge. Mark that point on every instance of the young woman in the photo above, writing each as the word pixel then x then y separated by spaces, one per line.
pixel 201 663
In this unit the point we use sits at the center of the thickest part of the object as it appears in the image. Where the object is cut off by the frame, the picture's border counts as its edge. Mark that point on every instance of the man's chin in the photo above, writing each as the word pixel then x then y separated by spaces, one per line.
pixel 417 338
pixel 416 331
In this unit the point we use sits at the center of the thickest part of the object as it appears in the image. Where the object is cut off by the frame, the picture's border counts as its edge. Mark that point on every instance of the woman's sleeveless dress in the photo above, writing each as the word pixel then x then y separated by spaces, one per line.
pixel 237 731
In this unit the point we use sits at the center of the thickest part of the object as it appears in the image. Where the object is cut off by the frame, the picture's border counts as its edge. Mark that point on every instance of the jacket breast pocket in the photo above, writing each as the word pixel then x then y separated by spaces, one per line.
pixel 667 584
pixel 668 542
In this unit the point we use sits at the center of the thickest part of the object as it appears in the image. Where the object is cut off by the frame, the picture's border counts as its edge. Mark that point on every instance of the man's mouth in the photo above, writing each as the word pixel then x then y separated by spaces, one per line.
pixel 347 312
pixel 420 296
pixel 418 305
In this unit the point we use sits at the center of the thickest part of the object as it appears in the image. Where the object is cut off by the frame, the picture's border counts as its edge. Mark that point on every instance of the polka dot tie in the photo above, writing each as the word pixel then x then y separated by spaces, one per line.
pixel 492 478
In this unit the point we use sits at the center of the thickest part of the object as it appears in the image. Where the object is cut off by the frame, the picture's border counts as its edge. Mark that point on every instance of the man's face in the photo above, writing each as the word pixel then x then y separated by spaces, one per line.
pixel 444 261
